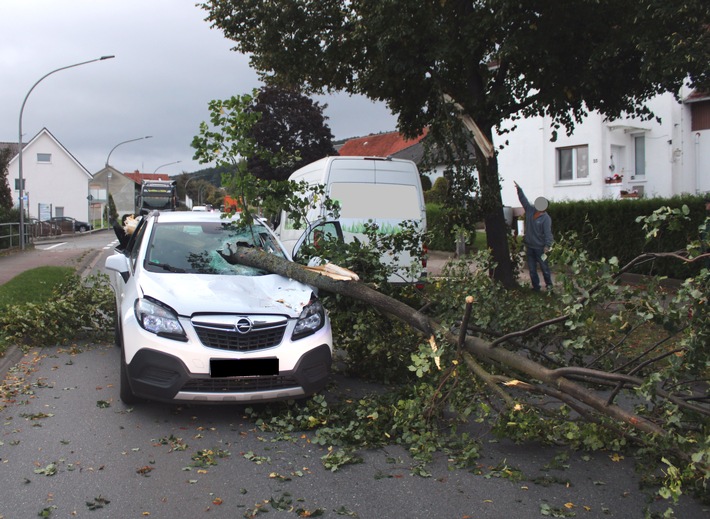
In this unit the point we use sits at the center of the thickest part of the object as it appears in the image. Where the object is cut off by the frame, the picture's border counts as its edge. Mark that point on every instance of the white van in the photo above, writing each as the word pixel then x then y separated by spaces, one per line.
pixel 384 190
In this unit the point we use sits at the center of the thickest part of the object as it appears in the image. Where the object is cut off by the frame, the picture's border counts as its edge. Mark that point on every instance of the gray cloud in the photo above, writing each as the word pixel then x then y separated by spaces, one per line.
pixel 169 64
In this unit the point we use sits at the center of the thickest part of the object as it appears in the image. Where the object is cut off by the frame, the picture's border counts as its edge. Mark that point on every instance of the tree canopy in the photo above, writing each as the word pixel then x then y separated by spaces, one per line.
pixel 5 193
pixel 490 60
pixel 289 122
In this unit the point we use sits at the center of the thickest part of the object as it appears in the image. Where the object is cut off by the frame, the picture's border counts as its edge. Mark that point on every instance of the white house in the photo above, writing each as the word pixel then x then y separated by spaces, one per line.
pixel 55 182
pixel 623 158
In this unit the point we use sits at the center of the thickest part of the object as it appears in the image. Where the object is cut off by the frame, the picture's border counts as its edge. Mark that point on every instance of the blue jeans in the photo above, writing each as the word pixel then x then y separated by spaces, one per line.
pixel 535 258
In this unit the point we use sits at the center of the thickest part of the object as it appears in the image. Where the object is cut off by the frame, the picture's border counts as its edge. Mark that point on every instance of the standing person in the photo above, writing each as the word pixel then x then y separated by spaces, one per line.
pixel 538 238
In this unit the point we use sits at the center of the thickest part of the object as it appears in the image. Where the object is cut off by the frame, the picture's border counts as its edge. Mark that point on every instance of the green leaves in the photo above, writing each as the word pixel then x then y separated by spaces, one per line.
pixel 79 308
pixel 49 470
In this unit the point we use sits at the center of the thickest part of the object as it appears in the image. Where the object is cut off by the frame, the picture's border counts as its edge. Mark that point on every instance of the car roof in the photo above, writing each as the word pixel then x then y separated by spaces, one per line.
pixel 188 216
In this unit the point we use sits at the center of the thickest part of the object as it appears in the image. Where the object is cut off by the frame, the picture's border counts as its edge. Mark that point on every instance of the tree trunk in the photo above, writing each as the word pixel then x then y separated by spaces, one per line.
pixel 497 230
pixel 547 380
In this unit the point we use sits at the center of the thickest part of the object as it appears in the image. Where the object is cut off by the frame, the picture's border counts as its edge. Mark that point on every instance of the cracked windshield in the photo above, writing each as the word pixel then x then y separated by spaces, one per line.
pixel 200 248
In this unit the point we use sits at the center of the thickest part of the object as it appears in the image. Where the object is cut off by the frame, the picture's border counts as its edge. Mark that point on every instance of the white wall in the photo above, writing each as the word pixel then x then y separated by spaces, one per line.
pixel 677 161
pixel 62 182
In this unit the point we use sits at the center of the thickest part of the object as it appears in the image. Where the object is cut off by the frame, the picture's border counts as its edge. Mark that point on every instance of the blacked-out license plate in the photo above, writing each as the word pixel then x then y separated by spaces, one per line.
pixel 243 367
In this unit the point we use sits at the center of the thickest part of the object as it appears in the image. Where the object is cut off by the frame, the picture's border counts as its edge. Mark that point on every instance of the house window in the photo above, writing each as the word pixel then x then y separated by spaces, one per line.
pixel 17 184
pixel 44 157
pixel 572 163
pixel 640 155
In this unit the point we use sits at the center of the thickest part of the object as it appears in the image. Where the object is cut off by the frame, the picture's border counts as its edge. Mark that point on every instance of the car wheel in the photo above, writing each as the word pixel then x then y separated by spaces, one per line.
pixel 117 341
pixel 125 393
pixel 83 228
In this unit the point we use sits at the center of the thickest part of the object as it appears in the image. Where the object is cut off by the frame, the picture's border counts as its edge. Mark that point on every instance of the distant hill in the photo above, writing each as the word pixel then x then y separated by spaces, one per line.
pixel 211 175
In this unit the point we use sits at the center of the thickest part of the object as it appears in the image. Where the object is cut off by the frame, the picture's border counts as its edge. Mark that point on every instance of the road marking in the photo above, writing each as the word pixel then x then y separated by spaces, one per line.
pixel 111 245
pixel 53 246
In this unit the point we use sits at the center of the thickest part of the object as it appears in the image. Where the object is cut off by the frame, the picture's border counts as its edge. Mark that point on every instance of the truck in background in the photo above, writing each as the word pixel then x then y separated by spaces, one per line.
pixel 158 195
pixel 382 190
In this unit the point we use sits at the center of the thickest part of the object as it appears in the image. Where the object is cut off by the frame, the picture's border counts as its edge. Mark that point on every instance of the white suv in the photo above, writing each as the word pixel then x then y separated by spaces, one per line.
pixel 193 327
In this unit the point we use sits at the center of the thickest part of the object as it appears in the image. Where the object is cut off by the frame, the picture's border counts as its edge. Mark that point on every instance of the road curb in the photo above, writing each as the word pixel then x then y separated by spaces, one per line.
pixel 12 356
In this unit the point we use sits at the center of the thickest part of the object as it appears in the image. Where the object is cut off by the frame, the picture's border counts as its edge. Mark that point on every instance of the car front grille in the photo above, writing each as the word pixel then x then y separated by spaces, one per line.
pixel 239 384
pixel 224 337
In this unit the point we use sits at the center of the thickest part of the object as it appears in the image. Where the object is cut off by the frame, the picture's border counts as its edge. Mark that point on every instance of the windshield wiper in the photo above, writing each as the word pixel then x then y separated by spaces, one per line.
pixel 168 267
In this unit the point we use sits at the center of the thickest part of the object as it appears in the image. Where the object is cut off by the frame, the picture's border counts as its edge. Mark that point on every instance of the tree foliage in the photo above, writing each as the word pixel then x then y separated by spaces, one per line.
pixel 496 59
pixel 229 141
pixel 289 122
pixel 5 192
pixel 602 365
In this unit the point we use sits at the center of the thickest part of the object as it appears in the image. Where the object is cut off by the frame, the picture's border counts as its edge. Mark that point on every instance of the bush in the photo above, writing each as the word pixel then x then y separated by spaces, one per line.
pixel 439 231
pixel 609 228
pixel 79 309
pixel 438 193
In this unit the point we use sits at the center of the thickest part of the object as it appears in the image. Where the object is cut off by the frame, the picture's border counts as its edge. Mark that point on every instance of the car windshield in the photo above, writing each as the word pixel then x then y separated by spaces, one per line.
pixel 195 247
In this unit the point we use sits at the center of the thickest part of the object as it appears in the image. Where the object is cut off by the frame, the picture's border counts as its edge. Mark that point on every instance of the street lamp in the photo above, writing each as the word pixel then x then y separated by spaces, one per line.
pixel 168 164
pixel 125 142
pixel 186 183
pixel 19 156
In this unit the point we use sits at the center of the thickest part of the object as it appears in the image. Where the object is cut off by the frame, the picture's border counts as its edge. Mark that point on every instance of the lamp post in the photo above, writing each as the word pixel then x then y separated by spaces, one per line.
pixel 19 140
pixel 108 173
pixel 125 142
pixel 186 183
pixel 168 164
pixel 108 209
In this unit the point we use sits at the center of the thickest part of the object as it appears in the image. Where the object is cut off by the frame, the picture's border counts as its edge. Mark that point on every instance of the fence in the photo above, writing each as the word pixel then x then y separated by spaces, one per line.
pixel 10 235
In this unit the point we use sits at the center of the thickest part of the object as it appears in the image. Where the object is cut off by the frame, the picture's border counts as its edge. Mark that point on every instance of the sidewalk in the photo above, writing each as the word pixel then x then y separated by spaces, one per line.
pixel 436 261
pixel 17 261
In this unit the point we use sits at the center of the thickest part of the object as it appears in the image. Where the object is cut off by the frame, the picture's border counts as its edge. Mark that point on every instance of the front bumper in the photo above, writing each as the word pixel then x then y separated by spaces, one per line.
pixel 156 375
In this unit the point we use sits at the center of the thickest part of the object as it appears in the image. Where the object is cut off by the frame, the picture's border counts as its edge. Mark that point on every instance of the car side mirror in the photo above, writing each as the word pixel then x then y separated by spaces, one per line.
pixel 119 263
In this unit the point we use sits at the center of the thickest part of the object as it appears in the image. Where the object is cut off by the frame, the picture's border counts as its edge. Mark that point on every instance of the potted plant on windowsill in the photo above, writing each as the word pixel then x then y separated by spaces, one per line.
pixel 631 193
pixel 616 179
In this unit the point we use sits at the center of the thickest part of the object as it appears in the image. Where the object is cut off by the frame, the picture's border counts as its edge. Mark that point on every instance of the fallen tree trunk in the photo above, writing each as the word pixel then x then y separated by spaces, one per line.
pixel 484 351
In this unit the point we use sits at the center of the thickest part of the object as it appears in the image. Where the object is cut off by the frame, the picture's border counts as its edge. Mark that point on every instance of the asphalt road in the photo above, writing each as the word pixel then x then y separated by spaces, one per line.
pixel 70 448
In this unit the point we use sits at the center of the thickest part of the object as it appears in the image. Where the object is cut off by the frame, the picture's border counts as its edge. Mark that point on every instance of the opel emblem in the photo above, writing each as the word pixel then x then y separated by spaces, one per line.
pixel 243 325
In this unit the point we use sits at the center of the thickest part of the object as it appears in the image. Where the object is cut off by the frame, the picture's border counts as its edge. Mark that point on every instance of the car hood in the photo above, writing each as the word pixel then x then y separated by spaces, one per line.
pixel 189 294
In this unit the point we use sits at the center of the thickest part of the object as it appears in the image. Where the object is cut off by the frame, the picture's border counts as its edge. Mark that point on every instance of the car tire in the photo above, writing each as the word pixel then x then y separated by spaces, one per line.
pixel 117 341
pixel 125 393
pixel 83 228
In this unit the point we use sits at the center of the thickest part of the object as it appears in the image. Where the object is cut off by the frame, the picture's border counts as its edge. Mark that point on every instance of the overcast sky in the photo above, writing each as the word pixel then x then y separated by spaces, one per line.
pixel 169 64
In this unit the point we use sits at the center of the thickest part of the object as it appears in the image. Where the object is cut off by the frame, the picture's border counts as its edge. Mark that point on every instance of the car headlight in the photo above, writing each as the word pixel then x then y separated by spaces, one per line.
pixel 311 320
pixel 158 319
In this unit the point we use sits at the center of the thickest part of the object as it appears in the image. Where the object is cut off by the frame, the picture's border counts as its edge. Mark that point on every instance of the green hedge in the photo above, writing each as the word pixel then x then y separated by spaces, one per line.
pixel 606 227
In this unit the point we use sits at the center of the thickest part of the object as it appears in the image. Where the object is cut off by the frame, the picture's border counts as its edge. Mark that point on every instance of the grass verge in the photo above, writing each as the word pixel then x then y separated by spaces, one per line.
pixel 33 286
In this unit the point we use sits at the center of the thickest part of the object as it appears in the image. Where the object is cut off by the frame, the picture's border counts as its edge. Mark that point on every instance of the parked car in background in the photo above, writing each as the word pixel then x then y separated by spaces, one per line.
pixel 69 224
pixel 194 328
pixel 39 229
